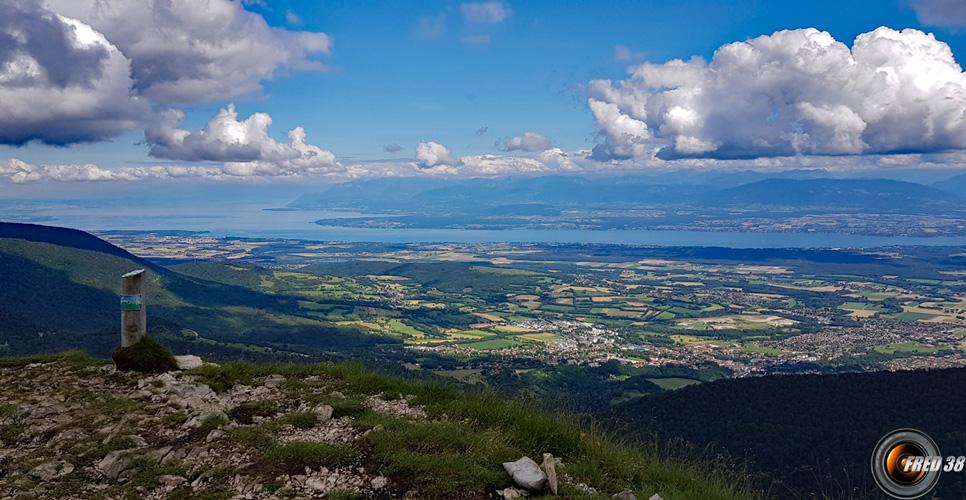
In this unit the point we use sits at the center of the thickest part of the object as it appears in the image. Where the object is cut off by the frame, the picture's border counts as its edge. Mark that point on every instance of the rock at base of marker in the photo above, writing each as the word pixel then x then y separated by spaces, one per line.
pixel 550 469
pixel 188 362
pixel 526 474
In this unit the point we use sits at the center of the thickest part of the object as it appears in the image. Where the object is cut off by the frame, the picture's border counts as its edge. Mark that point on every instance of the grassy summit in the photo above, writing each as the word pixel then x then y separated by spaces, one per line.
pixel 146 356
pixel 277 431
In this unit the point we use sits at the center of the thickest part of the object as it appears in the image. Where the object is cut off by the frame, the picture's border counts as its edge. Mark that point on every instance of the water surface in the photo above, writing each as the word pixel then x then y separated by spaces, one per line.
pixel 252 221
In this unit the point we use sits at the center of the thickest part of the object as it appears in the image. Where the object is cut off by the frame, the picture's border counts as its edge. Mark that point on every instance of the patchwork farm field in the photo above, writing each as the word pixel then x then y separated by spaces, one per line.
pixel 531 309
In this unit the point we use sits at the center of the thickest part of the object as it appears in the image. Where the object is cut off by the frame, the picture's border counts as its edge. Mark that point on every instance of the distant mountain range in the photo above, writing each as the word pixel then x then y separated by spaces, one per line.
pixel 515 196
pixel 874 194
pixel 955 185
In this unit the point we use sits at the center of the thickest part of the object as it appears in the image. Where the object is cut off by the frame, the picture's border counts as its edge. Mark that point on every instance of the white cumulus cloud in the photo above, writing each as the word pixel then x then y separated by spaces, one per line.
pixel 60 80
pixel 185 51
pixel 558 159
pixel 432 154
pixel 227 139
pixel 529 141
pixel 499 165
pixel 88 70
pixel 795 92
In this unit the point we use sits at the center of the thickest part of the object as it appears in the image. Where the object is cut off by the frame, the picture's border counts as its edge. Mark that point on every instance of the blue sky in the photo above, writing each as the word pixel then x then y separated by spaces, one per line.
pixel 394 86
pixel 391 81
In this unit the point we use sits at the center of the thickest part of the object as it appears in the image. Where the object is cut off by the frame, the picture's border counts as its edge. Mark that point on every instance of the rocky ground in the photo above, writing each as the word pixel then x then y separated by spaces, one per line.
pixel 86 430
pixel 70 432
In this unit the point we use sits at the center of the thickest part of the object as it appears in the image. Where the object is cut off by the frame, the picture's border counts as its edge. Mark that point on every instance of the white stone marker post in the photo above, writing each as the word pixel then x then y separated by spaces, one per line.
pixel 134 317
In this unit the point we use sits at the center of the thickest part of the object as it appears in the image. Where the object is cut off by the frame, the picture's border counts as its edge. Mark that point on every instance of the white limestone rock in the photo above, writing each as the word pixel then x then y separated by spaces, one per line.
pixel 324 412
pixel 114 463
pixel 188 362
pixel 51 470
pixel 550 469
pixel 169 482
pixel 511 493
pixel 379 482
pixel 274 380
pixel 526 474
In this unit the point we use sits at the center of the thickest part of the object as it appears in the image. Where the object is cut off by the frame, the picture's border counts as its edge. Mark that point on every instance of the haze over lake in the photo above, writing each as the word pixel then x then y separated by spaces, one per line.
pixel 253 221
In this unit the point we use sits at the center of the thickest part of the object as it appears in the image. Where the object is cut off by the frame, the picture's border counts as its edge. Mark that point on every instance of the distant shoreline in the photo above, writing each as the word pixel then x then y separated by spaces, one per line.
pixel 651 238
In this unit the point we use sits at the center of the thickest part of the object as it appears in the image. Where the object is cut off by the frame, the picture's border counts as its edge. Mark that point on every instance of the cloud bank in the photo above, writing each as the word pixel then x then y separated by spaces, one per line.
pixel 553 160
pixel 529 141
pixel 21 172
pixel 790 93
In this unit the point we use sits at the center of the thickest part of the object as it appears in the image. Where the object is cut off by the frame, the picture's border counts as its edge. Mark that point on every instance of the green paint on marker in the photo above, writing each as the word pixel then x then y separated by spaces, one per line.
pixel 131 302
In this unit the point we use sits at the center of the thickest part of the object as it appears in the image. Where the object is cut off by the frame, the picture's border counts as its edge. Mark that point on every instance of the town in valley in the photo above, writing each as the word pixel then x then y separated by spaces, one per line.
pixel 706 312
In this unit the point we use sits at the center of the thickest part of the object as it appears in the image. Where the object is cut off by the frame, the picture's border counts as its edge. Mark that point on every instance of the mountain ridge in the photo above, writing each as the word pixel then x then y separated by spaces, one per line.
pixel 67 237
pixel 791 190
pixel 884 194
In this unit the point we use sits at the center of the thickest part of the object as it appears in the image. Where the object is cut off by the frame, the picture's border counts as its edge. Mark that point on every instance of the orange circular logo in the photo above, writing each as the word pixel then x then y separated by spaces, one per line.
pixel 903 464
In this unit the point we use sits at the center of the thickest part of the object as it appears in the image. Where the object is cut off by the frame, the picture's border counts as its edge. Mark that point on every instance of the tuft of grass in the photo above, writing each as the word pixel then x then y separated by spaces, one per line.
pixel 113 406
pixel 9 410
pixel 120 443
pixel 343 495
pixel 149 473
pixel 349 407
pixel 80 359
pixel 525 427
pixel 212 422
pixel 10 433
pixel 246 412
pixel 301 419
pixel 443 458
pixel 73 359
pixel 174 420
pixel 146 356
pixel 251 437
pixel 294 457
pixel 91 455
pixel 218 487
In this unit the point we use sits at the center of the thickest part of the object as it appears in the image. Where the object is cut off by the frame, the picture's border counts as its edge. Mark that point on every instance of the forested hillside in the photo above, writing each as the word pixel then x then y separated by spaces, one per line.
pixel 60 291
pixel 807 433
